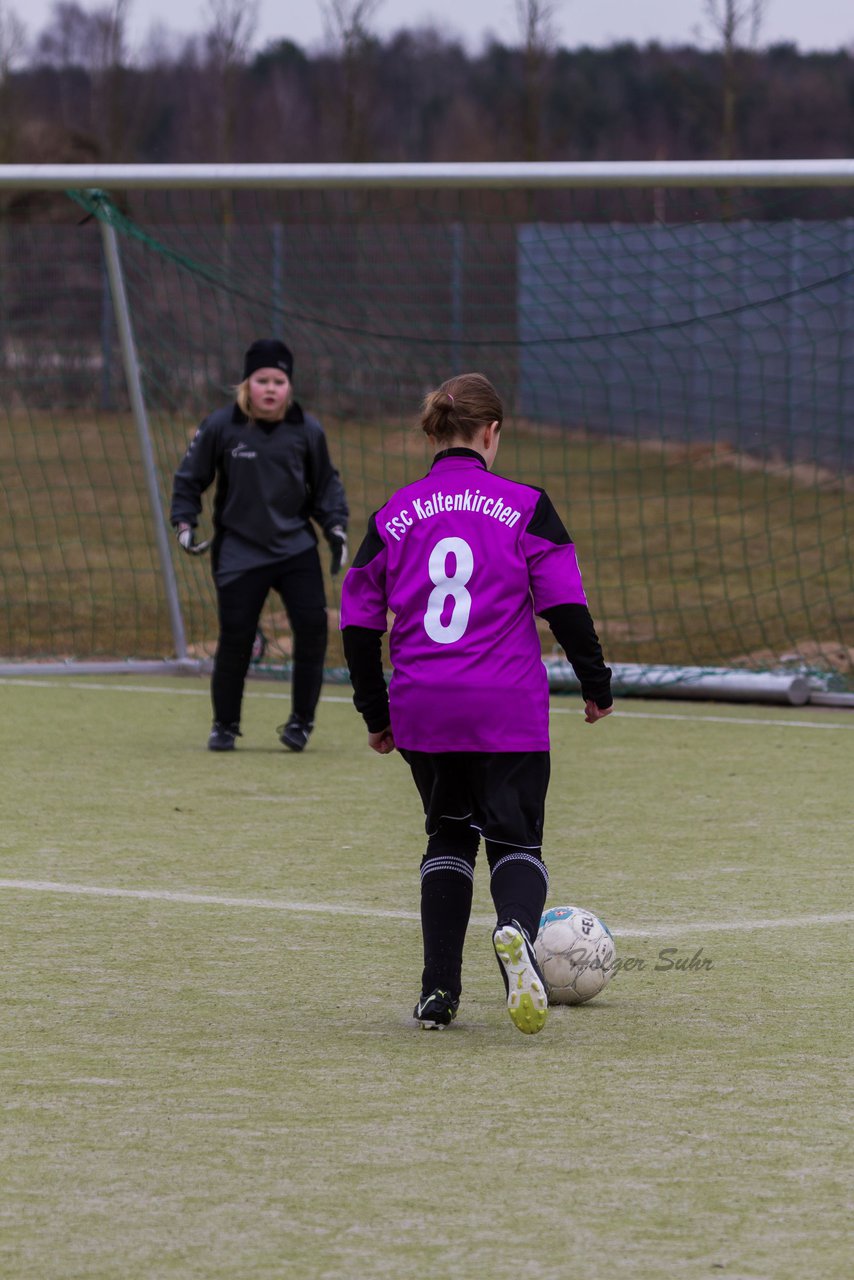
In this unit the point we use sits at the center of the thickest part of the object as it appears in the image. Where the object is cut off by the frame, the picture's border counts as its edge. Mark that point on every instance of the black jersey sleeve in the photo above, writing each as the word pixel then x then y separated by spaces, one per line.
pixel 371 545
pixel 195 474
pixel 572 627
pixel 546 523
pixel 363 649
pixel 328 500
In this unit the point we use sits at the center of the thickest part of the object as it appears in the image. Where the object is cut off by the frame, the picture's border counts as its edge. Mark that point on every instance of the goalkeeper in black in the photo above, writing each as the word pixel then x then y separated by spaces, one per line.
pixel 274 477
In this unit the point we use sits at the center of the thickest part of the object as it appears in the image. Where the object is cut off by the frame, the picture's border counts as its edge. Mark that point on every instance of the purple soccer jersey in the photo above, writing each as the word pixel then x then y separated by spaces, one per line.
pixel 464 559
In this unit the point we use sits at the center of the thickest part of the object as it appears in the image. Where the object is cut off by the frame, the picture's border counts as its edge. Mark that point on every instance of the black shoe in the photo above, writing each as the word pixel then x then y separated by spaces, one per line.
pixel 222 736
pixel 296 733
pixel 436 1010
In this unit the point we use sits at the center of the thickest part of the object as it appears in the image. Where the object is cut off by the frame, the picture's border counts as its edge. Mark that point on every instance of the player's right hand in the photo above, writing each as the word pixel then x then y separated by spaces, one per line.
pixel 186 535
pixel 382 742
pixel 592 713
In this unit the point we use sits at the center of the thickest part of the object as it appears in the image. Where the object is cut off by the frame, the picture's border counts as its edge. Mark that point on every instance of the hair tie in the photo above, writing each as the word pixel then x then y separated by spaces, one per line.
pixel 451 398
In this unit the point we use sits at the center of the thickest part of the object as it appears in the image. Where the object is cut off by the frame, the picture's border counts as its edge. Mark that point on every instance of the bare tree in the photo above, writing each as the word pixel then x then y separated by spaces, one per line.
pixel 227 43
pixel 539 37
pixel 347 32
pixel 13 41
pixel 96 41
pixel 111 74
pixel 736 23
pixel 68 40
pixel 161 47
pixel 346 21
pixel 228 40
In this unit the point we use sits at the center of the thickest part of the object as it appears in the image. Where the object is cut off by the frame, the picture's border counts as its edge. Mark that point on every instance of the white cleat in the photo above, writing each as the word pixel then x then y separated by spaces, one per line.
pixel 527 1002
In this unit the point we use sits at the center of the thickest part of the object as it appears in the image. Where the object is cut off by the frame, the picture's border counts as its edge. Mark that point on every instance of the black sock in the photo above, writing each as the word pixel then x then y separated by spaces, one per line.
pixel 518 883
pixel 447 880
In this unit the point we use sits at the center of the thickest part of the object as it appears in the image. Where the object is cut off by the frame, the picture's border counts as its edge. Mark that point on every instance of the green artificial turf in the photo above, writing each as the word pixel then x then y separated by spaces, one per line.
pixel 222 1078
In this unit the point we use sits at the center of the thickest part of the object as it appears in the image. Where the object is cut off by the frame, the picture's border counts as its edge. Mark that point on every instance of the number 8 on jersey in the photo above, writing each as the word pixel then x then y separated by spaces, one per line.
pixel 449 587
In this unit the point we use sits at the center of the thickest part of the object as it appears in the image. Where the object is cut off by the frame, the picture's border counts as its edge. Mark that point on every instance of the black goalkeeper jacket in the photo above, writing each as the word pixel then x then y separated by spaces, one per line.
pixel 272 479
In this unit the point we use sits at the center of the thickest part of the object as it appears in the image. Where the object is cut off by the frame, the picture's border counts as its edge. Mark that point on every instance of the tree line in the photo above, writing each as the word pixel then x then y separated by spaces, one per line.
pixel 76 95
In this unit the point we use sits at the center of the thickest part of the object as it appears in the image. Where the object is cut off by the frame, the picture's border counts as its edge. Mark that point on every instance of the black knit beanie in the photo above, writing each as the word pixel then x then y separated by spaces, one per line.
pixel 268 353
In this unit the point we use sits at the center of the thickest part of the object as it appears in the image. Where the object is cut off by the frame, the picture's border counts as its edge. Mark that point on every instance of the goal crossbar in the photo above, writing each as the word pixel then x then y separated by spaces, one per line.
pixel 532 175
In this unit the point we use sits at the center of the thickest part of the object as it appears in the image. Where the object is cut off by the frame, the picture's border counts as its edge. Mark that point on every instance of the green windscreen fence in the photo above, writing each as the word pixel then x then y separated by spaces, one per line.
pixel 676 368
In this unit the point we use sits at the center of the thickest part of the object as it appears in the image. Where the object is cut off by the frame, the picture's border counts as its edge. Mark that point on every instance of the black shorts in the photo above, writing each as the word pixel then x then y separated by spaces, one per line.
pixel 299 582
pixel 501 793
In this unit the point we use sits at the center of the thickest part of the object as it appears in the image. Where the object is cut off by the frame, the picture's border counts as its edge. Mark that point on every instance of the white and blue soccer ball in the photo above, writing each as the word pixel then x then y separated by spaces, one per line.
pixel 576 953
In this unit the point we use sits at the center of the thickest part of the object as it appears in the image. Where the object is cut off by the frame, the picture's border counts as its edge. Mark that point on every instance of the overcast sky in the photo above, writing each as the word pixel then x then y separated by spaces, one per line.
pixel 811 24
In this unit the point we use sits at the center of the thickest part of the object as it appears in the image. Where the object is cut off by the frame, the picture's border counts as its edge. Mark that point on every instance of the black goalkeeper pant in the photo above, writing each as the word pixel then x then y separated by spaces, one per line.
pixel 500 796
pixel 299 582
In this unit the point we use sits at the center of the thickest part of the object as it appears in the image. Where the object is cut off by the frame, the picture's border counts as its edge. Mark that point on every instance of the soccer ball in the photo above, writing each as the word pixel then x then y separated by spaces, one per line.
pixel 576 953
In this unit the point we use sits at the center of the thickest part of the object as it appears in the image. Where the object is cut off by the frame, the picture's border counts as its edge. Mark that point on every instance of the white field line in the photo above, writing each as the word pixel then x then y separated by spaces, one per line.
pixel 327 908
pixel 733 926
pixel 701 719
pixel 121 687
pixel 285 693
pixel 206 899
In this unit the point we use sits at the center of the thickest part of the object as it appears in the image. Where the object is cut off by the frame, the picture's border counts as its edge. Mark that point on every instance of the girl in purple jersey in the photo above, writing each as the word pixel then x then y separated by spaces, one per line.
pixel 465 560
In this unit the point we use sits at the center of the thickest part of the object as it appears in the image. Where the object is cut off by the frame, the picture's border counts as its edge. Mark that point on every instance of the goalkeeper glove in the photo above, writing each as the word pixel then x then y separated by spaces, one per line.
pixel 337 539
pixel 187 538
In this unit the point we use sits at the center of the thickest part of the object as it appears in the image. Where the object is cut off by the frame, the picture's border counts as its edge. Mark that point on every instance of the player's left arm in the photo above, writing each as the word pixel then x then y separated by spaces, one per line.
pixel 559 597
pixel 328 500
pixel 572 627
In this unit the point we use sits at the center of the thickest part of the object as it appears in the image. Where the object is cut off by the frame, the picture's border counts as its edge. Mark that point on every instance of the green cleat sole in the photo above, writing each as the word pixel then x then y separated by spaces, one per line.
pixel 527 1002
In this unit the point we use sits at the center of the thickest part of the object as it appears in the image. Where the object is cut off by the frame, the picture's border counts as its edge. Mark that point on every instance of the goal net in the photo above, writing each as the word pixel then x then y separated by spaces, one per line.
pixel 675 362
